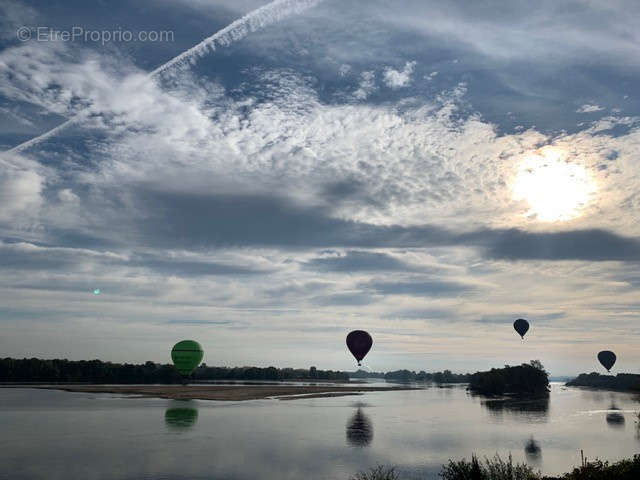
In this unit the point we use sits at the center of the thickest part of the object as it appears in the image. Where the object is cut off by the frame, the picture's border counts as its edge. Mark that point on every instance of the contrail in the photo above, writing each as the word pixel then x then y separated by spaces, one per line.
pixel 237 30
pixel 259 18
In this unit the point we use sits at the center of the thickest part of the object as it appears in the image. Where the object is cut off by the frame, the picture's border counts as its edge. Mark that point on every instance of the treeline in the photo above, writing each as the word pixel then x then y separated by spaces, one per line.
pixel 269 373
pixel 528 379
pixel 97 371
pixel 438 377
pixel 365 374
pixel 626 382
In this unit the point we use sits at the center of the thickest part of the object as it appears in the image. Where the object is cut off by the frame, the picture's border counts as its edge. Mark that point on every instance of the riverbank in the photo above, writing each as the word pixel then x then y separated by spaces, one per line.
pixel 224 392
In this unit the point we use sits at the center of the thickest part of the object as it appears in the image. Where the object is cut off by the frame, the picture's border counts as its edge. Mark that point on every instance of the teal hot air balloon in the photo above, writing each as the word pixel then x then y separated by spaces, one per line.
pixel 186 356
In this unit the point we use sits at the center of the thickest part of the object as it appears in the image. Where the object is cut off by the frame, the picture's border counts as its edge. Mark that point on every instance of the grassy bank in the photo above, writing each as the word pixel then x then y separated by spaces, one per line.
pixel 497 468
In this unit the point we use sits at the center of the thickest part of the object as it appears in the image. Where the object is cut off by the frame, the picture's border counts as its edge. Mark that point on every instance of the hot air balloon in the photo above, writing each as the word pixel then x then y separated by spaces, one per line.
pixel 607 358
pixel 521 326
pixel 359 343
pixel 186 356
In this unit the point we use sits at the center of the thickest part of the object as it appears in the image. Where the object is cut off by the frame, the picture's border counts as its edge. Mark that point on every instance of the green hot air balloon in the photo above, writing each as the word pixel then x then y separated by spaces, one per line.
pixel 186 356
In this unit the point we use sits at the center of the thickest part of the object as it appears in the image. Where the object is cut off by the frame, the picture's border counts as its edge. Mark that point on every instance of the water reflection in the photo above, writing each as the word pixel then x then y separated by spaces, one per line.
pixel 528 410
pixel 359 429
pixel 614 418
pixel 532 450
pixel 128 439
pixel 181 416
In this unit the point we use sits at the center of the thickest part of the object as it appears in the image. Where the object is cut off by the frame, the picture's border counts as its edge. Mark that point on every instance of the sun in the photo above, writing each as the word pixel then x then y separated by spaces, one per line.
pixel 555 189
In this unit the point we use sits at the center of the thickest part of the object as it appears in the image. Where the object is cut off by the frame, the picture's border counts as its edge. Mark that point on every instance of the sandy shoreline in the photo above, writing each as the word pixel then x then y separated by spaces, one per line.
pixel 224 393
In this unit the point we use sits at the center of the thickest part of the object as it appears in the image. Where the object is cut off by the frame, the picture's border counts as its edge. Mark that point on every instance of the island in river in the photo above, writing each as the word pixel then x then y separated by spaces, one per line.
pixel 622 382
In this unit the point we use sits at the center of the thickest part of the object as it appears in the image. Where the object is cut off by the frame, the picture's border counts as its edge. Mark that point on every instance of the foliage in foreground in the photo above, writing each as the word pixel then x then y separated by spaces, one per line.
pixel 377 473
pixel 498 469
pixel 491 469
pixel 628 469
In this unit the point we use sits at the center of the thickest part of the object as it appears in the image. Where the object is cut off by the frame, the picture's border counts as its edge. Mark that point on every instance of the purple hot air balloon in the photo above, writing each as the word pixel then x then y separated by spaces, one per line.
pixel 521 326
pixel 359 343
pixel 607 358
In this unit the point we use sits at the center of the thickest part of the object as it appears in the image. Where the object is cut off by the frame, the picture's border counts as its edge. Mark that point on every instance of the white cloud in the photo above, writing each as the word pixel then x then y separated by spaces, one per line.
pixel 344 69
pixel 14 15
pixel 398 79
pixel 21 184
pixel 589 108
pixel 367 85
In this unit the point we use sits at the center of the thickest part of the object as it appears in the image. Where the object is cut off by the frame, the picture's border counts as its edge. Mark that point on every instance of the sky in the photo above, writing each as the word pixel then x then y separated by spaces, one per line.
pixel 428 171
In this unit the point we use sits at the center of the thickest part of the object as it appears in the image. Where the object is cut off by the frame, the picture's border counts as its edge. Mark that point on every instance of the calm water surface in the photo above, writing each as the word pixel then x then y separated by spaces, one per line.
pixel 58 435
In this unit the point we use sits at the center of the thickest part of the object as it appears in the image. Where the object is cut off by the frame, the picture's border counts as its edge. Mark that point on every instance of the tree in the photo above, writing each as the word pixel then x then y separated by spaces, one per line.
pixel 537 364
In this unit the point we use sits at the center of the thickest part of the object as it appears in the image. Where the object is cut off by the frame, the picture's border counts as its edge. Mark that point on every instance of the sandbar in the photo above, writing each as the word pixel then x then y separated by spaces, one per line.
pixel 225 392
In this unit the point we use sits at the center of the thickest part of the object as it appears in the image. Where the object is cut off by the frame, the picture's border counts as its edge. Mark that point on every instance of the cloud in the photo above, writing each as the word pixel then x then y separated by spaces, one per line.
pixel 344 299
pixel 509 319
pixel 589 108
pixel 399 78
pixel 14 15
pixel 366 87
pixel 419 288
pixel 26 256
pixel 262 189
pixel 21 185
pixel 590 245
pixel 358 261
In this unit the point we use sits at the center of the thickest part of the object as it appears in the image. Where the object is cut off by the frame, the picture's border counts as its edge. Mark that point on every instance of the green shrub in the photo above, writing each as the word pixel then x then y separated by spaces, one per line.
pixel 598 470
pixel 491 469
pixel 377 473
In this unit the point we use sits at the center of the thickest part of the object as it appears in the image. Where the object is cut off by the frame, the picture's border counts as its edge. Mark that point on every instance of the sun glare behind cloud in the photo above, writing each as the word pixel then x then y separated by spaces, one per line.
pixel 555 190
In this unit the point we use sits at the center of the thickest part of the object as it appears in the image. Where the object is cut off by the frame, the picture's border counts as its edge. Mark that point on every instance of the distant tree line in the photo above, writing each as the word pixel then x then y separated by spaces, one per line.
pixel 438 377
pixel 365 374
pixel 269 373
pixel 528 379
pixel 97 371
pixel 627 382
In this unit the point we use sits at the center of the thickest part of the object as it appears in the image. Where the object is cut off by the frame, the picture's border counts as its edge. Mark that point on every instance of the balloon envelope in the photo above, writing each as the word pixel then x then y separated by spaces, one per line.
pixel 521 326
pixel 607 358
pixel 186 356
pixel 359 343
